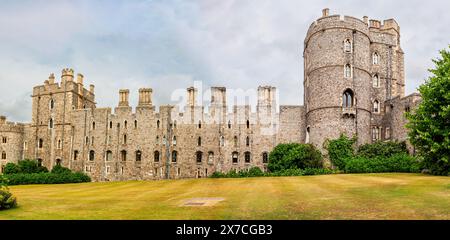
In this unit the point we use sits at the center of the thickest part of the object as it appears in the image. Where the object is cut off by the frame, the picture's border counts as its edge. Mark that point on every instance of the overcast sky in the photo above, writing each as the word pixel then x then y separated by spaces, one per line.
pixel 168 45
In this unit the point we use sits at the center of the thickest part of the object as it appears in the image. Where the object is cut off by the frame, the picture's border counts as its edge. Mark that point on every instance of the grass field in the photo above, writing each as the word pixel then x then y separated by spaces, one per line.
pixel 364 196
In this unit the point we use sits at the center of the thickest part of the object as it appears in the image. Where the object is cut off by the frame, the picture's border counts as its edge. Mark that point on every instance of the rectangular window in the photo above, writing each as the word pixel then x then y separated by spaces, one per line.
pixel 4 140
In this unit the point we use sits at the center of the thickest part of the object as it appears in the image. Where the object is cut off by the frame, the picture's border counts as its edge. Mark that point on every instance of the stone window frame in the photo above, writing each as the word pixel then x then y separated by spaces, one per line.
pixel 40 143
pixel 247 141
pixel 4 139
pixel 199 157
pixel 376 81
pixel 51 104
pixel 51 123
pixel 375 58
pixel 376 133
pixel 235 155
pixel 199 141
pixel 91 155
pixel 174 156
pixel 108 155
pixel 156 156
pixel 265 157
pixel 348 45
pixel 210 157
pixel 75 155
pixel 247 157
pixel 138 156
pixel 348 71
pixel 174 140
pixel 123 155
pixel 345 99
pixel 3 155
pixel 376 106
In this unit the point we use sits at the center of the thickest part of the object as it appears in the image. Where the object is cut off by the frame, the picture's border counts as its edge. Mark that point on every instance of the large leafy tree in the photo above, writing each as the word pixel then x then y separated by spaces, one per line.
pixel 429 124
pixel 294 156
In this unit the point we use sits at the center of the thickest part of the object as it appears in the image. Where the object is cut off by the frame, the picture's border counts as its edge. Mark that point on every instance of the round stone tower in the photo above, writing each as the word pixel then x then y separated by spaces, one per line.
pixel 337 79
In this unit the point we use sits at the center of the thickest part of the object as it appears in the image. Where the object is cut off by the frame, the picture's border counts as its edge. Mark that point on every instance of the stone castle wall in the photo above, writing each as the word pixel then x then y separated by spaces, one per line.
pixel 146 142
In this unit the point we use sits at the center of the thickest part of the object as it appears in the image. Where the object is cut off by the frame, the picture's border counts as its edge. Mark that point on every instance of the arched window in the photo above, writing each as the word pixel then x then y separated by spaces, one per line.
pixel 138 156
pixel 93 125
pixel 135 124
pixel 375 58
pixel 248 124
pixel 41 143
pixel 3 155
pixel 229 124
pixel 376 106
pixel 347 98
pixel 222 141
pixel 174 140
pixel 199 124
pixel 375 134
pixel 247 141
pixel 307 134
pixel 58 162
pixel 235 157
pixel 124 139
pixel 199 156
pixel 265 157
pixel 125 124
pixel 91 155
pixel 348 71
pixel 174 156
pixel 156 156
pixel 39 162
pixel 199 141
pixel 375 81
pixel 59 144
pixel 235 141
pixel 123 155
pixel 75 155
pixel 52 104
pixel 347 46
pixel 247 157
pixel 158 123
pixel 50 123
pixel 157 139
pixel 210 157
pixel 108 155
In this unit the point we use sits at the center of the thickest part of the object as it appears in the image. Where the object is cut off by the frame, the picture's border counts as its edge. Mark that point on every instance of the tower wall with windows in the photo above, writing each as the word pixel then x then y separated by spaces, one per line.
pixel 11 142
pixel 337 61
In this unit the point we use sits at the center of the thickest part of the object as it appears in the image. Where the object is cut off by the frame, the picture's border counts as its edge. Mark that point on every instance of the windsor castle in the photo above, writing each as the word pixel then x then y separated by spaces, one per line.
pixel 354 83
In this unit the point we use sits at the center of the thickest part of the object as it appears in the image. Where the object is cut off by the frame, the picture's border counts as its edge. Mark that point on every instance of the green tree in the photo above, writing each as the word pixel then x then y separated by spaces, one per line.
pixel 294 156
pixel 429 124
pixel 340 149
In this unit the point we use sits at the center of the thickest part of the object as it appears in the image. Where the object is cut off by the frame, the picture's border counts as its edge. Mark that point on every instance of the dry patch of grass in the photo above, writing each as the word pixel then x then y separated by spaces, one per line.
pixel 358 196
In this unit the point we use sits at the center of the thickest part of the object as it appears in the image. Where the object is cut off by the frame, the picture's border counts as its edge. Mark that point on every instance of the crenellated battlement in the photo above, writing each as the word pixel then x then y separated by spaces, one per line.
pixel 6 126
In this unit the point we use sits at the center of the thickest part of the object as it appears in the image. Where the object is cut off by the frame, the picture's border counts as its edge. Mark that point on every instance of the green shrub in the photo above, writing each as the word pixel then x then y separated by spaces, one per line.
pixel 382 149
pixel 47 178
pixel 340 149
pixel 256 172
pixel 294 156
pixel 58 169
pixel 399 162
pixel 11 168
pixel 7 200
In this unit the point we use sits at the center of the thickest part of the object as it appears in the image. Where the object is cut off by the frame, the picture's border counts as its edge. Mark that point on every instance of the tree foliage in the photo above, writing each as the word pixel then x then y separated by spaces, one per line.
pixel 294 156
pixel 429 124
pixel 382 149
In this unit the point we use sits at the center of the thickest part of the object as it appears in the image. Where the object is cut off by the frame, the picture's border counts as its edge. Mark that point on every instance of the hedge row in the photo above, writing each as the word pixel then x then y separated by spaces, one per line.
pixel 256 172
pixel 401 162
pixel 46 178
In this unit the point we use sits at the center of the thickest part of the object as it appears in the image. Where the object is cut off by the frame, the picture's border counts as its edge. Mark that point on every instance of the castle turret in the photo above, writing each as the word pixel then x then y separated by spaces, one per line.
pixel 218 96
pixel 337 79
pixel 191 96
pixel 67 75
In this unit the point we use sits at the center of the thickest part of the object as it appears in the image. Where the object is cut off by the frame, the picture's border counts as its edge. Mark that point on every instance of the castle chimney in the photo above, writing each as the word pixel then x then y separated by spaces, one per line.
pixel 366 19
pixel 325 12
pixel 67 75
pixel 192 96
pixel 80 78
pixel 91 88
pixel 2 119
pixel 266 96
pixel 51 78
pixel 145 97
pixel 123 97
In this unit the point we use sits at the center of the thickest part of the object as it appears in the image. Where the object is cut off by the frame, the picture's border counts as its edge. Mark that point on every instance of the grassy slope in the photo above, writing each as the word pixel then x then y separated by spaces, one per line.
pixel 365 196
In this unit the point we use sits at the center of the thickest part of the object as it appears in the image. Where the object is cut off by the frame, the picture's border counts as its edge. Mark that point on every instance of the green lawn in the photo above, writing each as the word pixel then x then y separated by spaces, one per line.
pixel 359 196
